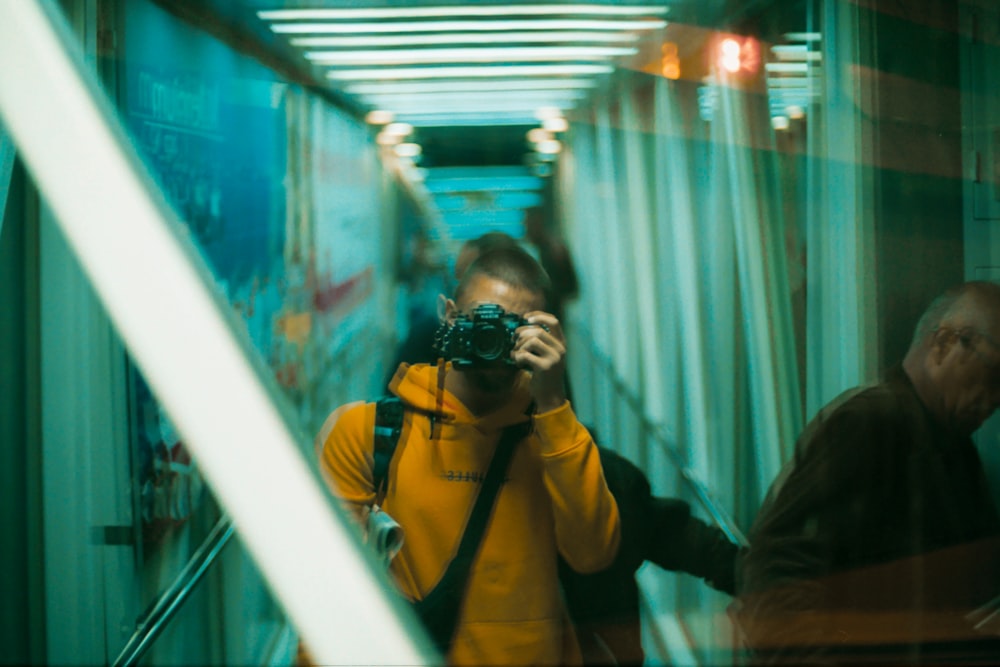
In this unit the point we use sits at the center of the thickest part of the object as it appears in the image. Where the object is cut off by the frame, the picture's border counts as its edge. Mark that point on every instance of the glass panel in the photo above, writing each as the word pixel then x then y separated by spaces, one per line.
pixel 760 200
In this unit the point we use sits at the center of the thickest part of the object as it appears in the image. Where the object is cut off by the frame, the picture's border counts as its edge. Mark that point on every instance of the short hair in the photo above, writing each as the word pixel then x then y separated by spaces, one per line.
pixel 473 248
pixel 490 241
pixel 512 265
pixel 975 303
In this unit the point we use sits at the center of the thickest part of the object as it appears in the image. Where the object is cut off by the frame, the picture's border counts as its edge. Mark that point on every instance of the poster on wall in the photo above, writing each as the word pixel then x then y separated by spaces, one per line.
pixel 347 224
pixel 190 104
pixel 277 188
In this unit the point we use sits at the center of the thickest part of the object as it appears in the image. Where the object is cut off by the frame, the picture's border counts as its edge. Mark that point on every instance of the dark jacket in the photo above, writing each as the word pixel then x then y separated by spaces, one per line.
pixel 874 541
pixel 605 606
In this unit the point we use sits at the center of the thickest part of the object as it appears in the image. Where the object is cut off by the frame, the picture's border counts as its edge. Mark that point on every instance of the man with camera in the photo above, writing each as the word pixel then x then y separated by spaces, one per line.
pixel 491 415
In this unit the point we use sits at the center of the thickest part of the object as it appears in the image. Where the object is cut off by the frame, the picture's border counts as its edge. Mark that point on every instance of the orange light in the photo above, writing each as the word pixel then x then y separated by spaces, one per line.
pixel 670 63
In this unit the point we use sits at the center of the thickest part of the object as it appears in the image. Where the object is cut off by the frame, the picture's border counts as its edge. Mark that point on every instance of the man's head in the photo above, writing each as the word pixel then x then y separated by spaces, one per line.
pixel 510 278
pixel 481 245
pixel 954 358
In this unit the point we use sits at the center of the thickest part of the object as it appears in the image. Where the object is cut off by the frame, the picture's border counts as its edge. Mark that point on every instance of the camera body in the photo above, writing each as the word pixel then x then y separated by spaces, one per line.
pixel 483 339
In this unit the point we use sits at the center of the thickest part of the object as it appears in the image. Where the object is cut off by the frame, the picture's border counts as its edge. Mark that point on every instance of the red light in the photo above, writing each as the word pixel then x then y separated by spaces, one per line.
pixel 738 54
pixel 729 55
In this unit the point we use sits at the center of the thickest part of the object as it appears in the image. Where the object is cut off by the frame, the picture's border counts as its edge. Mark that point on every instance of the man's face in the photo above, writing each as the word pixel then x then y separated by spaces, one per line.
pixel 483 290
pixel 968 378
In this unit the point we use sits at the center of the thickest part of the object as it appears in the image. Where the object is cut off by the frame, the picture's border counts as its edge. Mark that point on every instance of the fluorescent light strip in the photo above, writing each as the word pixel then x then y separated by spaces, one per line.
pixel 463 26
pixel 473 10
pixel 432 87
pixel 791 82
pixel 514 106
pixel 787 68
pixel 471 121
pixel 405 73
pixel 373 41
pixel 468 55
pixel 537 98
pixel 466 72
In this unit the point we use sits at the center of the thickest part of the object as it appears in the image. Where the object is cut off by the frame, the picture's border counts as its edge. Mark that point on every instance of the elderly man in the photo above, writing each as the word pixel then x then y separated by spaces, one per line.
pixel 879 536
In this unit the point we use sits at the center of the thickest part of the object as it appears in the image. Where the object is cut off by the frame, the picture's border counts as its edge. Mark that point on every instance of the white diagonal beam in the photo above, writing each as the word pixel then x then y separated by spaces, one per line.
pixel 155 289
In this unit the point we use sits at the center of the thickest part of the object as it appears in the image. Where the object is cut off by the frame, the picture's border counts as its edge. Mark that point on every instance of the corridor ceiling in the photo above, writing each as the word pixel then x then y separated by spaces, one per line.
pixel 474 64
pixel 455 87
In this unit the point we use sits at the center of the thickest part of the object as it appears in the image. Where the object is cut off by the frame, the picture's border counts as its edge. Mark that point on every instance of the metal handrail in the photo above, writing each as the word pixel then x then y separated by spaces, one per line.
pixel 718 514
pixel 155 621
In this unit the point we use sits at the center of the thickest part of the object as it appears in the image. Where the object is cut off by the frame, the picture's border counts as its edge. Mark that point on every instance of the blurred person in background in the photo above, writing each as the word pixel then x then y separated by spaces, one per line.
pixel 555 258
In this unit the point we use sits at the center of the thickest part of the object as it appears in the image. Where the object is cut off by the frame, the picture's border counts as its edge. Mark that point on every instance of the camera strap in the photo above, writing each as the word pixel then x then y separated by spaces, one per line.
pixel 439 609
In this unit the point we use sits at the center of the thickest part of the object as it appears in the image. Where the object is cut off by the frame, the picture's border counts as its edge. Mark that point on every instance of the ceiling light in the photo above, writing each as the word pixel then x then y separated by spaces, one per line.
pixel 470 106
pixel 434 87
pixel 488 118
pixel 534 98
pixel 730 55
pixel 398 129
pixel 466 72
pixel 555 124
pixel 376 41
pixel 457 10
pixel 802 36
pixel 462 26
pixel 407 150
pixel 537 134
pixel 385 139
pixel 548 112
pixel 468 55
pixel 548 147
pixel 779 122
pixel 787 68
pixel 378 117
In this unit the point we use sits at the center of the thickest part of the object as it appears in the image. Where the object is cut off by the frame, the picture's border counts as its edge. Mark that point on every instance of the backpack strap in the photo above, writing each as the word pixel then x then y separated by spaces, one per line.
pixel 388 425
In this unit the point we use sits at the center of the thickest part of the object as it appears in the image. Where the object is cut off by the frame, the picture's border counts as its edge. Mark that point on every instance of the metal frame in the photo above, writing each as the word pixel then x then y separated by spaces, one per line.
pixel 163 610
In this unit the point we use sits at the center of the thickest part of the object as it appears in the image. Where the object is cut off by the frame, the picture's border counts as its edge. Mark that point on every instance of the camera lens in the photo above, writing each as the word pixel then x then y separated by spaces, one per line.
pixel 489 341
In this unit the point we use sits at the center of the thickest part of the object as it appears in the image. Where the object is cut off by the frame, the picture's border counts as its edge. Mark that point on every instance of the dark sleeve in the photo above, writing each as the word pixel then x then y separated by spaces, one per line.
pixel 683 543
pixel 630 487
pixel 812 517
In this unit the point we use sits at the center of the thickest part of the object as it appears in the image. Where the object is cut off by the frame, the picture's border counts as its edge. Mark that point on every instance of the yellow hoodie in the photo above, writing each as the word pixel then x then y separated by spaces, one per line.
pixel 554 498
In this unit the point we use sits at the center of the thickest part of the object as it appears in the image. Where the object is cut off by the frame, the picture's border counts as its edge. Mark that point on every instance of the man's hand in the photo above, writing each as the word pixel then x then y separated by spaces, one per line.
pixel 541 349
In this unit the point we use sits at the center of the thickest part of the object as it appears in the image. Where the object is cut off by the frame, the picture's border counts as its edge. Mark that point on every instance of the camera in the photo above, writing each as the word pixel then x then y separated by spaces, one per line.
pixel 480 340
